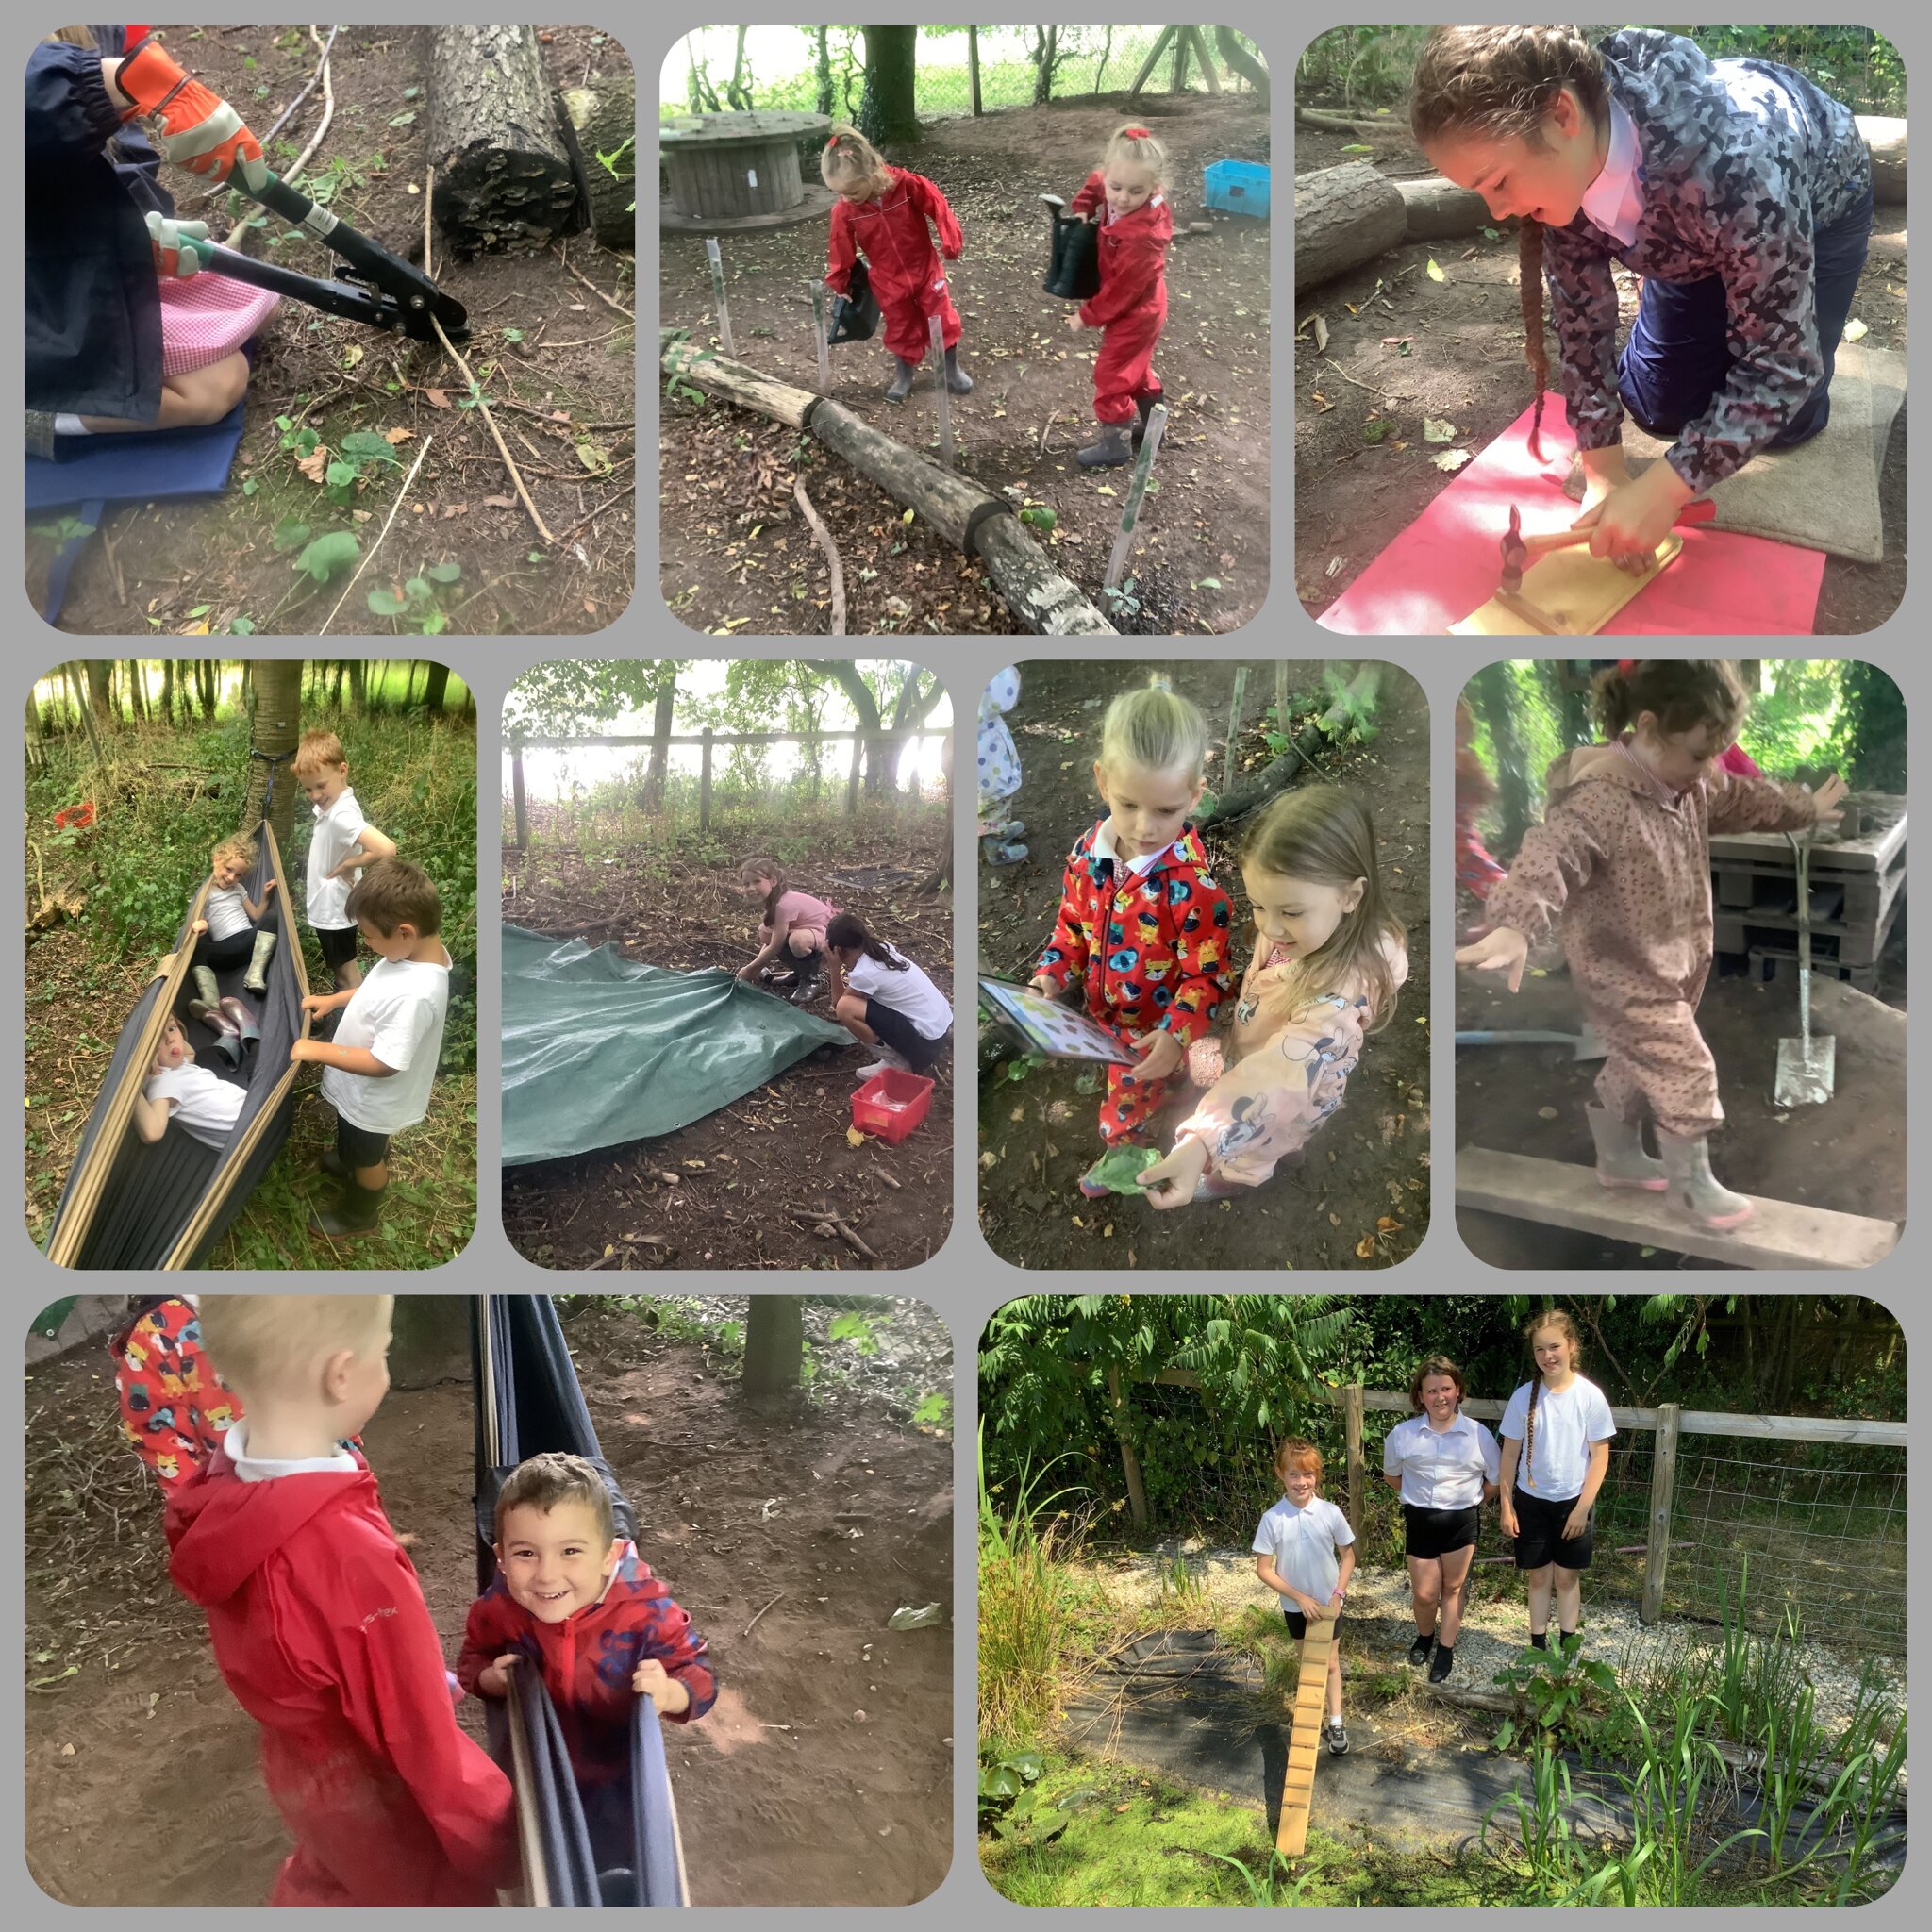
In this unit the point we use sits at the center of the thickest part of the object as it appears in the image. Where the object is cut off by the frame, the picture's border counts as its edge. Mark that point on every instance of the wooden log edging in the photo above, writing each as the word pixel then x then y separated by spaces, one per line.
pixel 971 518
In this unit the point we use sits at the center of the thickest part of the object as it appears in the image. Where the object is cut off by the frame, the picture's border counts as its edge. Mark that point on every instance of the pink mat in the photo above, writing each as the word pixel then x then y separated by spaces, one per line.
pixel 1445 564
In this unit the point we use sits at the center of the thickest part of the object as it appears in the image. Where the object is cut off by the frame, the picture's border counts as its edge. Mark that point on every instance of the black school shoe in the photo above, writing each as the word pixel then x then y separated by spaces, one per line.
pixel 1419 1651
pixel 1444 1662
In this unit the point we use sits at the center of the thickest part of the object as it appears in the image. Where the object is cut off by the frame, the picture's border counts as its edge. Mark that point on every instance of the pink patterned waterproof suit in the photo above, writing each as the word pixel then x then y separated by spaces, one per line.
pixel 1628 863
pixel 1292 1050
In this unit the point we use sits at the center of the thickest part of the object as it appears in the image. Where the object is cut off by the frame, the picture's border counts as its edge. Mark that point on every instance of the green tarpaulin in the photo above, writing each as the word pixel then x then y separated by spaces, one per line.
pixel 598 1049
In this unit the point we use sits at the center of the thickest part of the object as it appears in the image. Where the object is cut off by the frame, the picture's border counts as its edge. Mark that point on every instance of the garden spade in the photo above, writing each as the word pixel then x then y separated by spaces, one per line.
pixel 1808 1066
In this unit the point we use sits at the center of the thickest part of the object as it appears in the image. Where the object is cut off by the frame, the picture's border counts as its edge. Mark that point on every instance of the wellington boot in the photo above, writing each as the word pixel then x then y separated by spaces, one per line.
pixel 357 1212
pixel 1111 451
pixel 244 1021
pixel 957 379
pixel 207 986
pixel 1695 1190
pixel 1621 1162
pixel 227 1035
pixel 810 970
pixel 256 979
pixel 900 386
pixel 1145 406
pixel 331 1164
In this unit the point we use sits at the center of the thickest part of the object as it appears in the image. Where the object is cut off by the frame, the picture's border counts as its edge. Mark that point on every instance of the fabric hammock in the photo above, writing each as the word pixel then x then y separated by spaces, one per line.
pixel 598 1049
pixel 129 1204
pixel 528 1403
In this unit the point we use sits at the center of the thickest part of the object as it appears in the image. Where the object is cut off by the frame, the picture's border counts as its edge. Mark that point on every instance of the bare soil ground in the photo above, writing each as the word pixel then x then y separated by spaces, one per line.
pixel 736 553
pixel 780 1148
pixel 562 386
pixel 1364 1179
pixel 786 1795
pixel 1465 362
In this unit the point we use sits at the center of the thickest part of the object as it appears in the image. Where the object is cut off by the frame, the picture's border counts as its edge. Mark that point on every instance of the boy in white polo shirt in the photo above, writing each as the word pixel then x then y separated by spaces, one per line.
pixel 201 1103
pixel 381 1062
pixel 342 842
pixel 1305 1552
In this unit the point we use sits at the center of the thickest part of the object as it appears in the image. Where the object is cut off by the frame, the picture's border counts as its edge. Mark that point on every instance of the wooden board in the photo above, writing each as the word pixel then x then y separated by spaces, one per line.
pixel 1569 593
pixel 1298 1780
pixel 1780 1234
pixel 1871 851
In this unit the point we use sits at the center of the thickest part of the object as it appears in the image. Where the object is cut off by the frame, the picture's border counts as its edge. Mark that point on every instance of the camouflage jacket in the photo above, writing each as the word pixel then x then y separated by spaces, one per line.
pixel 1740 163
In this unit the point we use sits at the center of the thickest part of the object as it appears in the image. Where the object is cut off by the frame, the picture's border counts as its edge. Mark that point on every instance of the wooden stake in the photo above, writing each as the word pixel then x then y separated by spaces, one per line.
pixel 1234 725
pixel 1137 489
pixel 831 550
pixel 717 262
pixel 944 395
pixel 817 289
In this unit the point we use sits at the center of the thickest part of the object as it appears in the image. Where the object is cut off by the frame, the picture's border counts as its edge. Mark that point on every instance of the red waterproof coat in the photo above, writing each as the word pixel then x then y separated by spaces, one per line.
pixel 890 231
pixel 318 1626
pixel 589 1659
pixel 1131 306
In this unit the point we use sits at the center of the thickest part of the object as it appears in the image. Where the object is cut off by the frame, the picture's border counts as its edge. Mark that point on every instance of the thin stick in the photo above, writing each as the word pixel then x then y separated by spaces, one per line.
pixel 748 1626
pixel 378 543
pixel 941 391
pixel 831 550
pixel 482 404
pixel 596 291
pixel 592 516
pixel 1234 723
pixel 428 197
pixel 238 233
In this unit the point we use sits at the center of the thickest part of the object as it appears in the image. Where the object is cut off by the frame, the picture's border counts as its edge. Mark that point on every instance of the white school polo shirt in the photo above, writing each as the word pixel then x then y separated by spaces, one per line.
pixel 908 993
pixel 397 1013
pixel 226 912
pixel 1302 1544
pixel 1567 1425
pixel 1441 1469
pixel 200 1103
pixel 334 837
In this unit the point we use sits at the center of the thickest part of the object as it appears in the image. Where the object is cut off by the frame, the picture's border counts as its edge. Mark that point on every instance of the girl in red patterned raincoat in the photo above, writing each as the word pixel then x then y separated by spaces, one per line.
pixel 881 212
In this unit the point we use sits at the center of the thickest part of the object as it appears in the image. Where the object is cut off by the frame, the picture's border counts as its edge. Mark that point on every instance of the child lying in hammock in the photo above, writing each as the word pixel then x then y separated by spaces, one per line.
pixel 206 1106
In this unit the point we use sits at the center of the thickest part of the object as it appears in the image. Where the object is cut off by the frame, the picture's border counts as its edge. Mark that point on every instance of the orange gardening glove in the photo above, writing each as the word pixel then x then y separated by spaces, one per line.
pixel 199 130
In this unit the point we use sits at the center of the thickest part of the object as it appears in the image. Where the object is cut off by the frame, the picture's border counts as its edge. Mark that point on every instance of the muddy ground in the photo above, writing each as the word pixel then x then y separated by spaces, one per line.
pixel 1848 1154
pixel 1364 1179
pixel 785 1795
pixel 779 1148
pixel 1465 362
pixel 554 358
pixel 736 552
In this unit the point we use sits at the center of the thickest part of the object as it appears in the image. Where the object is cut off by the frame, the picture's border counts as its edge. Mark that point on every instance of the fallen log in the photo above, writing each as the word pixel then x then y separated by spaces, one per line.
pixel 1352 123
pixel 1046 602
pixel 1343 217
pixel 1280 774
pixel 1886 137
pixel 598 120
pixel 503 175
pixel 1439 210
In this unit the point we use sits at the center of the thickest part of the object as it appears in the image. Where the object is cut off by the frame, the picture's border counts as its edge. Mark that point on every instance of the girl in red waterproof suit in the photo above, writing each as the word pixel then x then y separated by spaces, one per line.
pixel 881 212
pixel 1142 927
pixel 1123 195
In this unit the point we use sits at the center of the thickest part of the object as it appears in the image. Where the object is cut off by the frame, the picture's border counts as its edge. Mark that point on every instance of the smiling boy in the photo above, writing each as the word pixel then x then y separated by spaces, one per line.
pixel 575 1600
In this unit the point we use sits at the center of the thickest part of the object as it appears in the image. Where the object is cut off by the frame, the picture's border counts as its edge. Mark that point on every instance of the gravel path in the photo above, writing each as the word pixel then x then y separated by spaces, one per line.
pixel 1378 1628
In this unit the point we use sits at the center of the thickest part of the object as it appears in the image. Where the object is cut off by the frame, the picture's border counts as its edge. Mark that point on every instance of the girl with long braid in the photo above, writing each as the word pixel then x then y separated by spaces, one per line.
pixel 1556 1434
pixel 1739 191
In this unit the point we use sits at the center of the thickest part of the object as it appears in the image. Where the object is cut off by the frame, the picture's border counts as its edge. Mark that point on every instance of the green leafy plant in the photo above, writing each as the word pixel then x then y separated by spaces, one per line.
pixel 855 1329
pixel 1009 1799
pixel 327 556
pixel 609 164
pixel 1572 1699
pixel 413 604
pixel 362 451
pixel 1277 1884
pixel 933 1410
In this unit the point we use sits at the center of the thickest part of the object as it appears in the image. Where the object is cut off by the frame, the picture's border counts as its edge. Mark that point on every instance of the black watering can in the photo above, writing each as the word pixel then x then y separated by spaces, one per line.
pixel 856 315
pixel 1075 274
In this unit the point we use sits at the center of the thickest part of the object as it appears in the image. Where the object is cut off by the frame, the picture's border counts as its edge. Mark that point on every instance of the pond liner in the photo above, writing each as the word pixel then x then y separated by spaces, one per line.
pixel 131 1204
pixel 530 1403
pixel 1182 1704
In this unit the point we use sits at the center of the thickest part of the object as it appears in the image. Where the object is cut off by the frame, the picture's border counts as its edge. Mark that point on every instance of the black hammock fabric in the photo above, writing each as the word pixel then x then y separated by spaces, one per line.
pixel 129 1204
pixel 530 1403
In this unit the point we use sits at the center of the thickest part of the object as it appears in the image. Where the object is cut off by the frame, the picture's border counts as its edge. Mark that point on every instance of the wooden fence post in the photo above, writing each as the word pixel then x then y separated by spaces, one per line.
pixel 1130 1464
pixel 1282 696
pixel 516 787
pixel 1352 1433
pixel 972 66
pixel 705 786
pixel 852 781
pixel 1663 1486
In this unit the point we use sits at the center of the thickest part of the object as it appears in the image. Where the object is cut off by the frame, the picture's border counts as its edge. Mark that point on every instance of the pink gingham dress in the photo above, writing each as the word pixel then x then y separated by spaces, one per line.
pixel 208 317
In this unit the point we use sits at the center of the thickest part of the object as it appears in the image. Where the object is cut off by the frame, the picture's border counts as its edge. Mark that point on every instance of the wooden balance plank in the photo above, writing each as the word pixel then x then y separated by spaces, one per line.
pixel 1569 593
pixel 1298 1783
pixel 1780 1234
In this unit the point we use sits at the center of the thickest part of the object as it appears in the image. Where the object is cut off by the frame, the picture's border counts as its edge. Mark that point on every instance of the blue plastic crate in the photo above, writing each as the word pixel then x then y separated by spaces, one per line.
pixel 1238 188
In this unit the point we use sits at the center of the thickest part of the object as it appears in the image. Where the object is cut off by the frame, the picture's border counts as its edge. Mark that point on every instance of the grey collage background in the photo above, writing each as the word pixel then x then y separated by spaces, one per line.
pixel 965 1281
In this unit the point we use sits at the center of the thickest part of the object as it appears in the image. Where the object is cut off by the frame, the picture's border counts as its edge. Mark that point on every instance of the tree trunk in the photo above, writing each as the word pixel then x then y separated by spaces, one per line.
pixel 430 1340
pixel 503 177
pixel 100 690
pixel 1045 46
pixel 84 711
pixel 36 738
pixel 435 686
pixel 1243 62
pixel 1497 697
pixel 658 772
pixel 1031 586
pixel 941 878
pixel 736 92
pixel 887 112
pixel 276 730
pixel 822 70
pixel 359 687
pixel 1343 217
pixel 1438 211
pixel 137 690
pixel 1886 139
pixel 773 1346
pixel 207 685
pixel 598 120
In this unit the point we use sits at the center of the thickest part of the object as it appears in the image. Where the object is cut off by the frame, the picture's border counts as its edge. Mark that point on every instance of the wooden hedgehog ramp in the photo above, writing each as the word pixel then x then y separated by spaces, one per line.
pixel 974 519
pixel 1305 1740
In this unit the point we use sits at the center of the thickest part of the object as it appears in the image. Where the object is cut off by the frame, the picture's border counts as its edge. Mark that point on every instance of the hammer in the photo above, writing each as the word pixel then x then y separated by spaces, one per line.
pixel 1519 551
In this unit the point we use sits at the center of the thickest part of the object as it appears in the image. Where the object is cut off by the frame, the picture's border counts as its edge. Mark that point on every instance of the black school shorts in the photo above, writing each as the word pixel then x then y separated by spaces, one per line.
pixel 1430 1533
pixel 358 1146
pixel 921 1054
pixel 1540 1537
pixel 1298 1625
pixel 338 944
